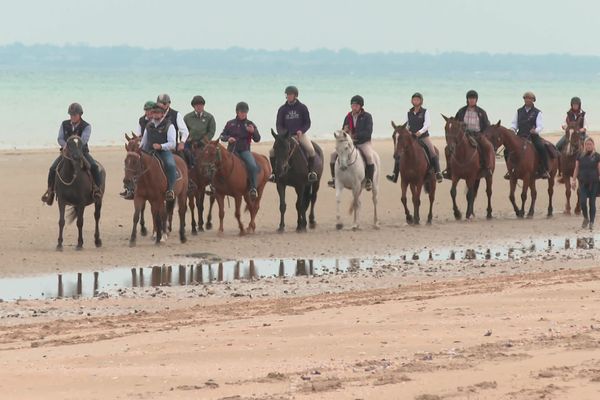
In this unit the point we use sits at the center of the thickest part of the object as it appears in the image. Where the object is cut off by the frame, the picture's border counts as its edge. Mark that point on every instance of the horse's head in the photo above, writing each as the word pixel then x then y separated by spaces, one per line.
pixel 344 148
pixel 211 157
pixel 133 170
pixel 454 130
pixel 133 142
pixel 401 137
pixel 283 148
pixel 74 149
pixel 574 139
pixel 492 133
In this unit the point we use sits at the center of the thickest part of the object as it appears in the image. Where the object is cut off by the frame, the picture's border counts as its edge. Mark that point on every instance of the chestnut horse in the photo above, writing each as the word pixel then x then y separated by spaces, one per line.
pixel 414 171
pixel 465 164
pixel 523 163
pixel 196 198
pixel 144 172
pixel 568 156
pixel 229 177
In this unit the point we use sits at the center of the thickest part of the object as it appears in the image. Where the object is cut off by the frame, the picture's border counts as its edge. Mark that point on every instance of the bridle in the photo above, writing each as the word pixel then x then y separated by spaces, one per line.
pixel 65 155
pixel 138 171
pixel 290 153
pixel 212 167
pixel 354 151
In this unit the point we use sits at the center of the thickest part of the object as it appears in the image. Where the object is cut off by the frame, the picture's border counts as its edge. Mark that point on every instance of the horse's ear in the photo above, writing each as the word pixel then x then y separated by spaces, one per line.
pixel 335 135
pixel 274 134
pixel 127 137
pixel 394 125
pixel 404 125
pixel 445 118
pixel 498 124
pixel 134 135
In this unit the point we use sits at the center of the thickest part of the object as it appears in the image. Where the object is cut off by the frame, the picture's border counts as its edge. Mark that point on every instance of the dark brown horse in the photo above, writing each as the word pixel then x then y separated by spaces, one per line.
pixel 291 169
pixel 465 164
pixel 228 175
pixel 144 172
pixel 196 198
pixel 523 163
pixel 415 172
pixel 73 188
pixel 568 156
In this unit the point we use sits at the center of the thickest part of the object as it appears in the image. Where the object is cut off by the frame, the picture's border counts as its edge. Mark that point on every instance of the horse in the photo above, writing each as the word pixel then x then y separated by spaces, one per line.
pixel 414 171
pixel 196 197
pixel 229 177
pixel 568 156
pixel 523 163
pixel 73 187
pixel 291 169
pixel 133 144
pixel 145 172
pixel 350 174
pixel 465 164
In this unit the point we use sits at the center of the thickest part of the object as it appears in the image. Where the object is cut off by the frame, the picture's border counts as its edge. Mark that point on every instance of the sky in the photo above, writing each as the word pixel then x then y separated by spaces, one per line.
pixel 428 26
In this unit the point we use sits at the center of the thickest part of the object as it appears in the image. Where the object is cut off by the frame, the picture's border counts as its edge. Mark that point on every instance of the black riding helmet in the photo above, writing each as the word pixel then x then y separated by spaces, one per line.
pixel 242 106
pixel 472 94
pixel 576 100
pixel 198 100
pixel 357 100
pixel 417 95
pixel 291 90
pixel 75 109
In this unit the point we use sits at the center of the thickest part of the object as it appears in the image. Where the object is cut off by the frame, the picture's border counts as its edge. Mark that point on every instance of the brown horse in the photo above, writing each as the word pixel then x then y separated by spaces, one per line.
pixel 523 163
pixel 414 171
pixel 196 198
pixel 465 164
pixel 568 156
pixel 144 172
pixel 227 174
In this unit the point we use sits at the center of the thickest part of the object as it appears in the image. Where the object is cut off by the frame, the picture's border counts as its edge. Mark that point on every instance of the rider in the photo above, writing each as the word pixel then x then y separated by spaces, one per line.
pixel 160 137
pixel 239 133
pixel 75 125
pixel 528 124
pixel 359 124
pixel 418 124
pixel 181 130
pixel 477 121
pixel 143 121
pixel 293 118
pixel 575 113
pixel 200 123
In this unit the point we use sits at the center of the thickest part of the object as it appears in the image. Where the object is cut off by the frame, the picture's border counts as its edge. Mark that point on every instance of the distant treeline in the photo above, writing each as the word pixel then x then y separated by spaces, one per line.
pixel 326 62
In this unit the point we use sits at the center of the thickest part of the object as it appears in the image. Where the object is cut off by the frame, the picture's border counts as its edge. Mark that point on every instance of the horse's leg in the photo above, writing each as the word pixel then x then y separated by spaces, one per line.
pixel 417 202
pixel 301 208
pixel 356 191
pixel 79 211
pixel 338 204
pixel 211 201
pixel 238 214
pixel 61 224
pixel 533 191
pixel 526 185
pixel 375 201
pixel 312 222
pixel 221 202
pixel 182 208
pixel 457 213
pixel 97 208
pixel 143 230
pixel 409 218
pixel 282 207
pixel 577 206
pixel 511 196
pixel 192 205
pixel 431 200
pixel 159 220
pixel 471 190
pixel 200 206
pixel 139 206
pixel 488 191
pixel 550 195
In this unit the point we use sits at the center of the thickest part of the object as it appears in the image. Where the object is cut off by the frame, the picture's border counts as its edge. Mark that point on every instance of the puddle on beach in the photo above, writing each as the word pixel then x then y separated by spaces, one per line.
pixel 90 284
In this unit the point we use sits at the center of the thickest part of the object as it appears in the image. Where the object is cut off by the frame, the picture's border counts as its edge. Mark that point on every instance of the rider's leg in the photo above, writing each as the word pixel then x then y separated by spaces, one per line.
pixel 251 166
pixel 94 169
pixel 488 153
pixel 332 161
pixel 171 171
pixel 308 147
pixel 507 175
pixel 561 143
pixel 367 150
pixel 48 197
pixel 447 173
pixel 435 160
pixel 272 178
pixel 543 153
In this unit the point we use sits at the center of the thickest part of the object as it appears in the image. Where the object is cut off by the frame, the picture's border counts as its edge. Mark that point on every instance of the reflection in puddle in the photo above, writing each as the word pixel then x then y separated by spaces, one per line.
pixel 91 284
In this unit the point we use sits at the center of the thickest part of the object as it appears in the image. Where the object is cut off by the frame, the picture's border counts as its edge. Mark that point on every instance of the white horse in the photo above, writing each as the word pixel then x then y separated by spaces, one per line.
pixel 350 174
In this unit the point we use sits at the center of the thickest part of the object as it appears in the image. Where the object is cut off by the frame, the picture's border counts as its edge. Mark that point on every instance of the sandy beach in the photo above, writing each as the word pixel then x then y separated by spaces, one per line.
pixel 525 328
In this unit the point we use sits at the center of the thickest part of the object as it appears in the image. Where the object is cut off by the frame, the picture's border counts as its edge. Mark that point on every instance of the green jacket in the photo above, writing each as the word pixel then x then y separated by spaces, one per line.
pixel 201 128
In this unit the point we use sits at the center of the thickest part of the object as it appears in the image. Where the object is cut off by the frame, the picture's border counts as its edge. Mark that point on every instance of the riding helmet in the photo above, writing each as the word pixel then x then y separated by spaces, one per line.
pixel 291 90
pixel 576 100
pixel 472 94
pixel 163 99
pixel 198 100
pixel 242 106
pixel 417 95
pixel 358 100
pixel 75 109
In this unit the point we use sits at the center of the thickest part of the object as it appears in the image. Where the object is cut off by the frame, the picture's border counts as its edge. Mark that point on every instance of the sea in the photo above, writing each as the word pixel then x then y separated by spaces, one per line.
pixel 33 102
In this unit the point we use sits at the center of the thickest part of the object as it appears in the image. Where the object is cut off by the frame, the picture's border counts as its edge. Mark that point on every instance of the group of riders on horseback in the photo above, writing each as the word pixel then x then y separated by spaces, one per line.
pixel 164 131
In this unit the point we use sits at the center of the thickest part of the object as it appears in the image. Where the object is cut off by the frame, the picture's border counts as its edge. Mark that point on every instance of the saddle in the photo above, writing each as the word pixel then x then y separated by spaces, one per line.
pixel 427 154
pixel 318 161
pixel 155 156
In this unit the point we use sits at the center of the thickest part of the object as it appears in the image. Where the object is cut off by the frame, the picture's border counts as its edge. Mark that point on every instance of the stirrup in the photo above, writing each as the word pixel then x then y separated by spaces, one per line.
pixel 97 193
pixel 331 183
pixel 446 174
pixel 127 194
pixel 392 178
pixel 507 175
pixel 253 193
pixel 439 177
pixel 272 178
pixel 169 195
pixel 368 185
pixel 312 176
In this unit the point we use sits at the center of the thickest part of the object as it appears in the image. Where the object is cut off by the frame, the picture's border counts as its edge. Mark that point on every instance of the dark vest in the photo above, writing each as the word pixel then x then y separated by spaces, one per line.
pixel 526 121
pixel 143 122
pixel 416 121
pixel 588 168
pixel 68 130
pixel 172 115
pixel 571 117
pixel 157 134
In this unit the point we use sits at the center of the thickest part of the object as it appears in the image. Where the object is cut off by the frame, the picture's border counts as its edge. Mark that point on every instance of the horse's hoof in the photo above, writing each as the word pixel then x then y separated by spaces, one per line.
pixel 132 243
pixel 529 216
pixel 489 216
pixel 301 229
pixel 409 219
pixel 200 229
pixel 355 228
pixel 428 222
pixel 59 247
pixel 339 226
pixel 194 232
pixel 577 212
pixel 79 247
pixel 457 215
pixel 312 224
pixel 98 243
pixel 567 212
pixel 144 231
pixel 281 229
pixel 376 226
pixel 209 226
pixel 183 239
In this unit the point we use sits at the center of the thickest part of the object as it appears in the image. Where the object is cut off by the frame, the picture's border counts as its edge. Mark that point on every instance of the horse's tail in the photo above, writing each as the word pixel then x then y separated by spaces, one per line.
pixel 71 214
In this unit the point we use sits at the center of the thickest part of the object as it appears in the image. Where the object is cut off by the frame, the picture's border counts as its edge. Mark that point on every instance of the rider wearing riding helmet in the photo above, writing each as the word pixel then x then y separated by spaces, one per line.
pixel 575 114
pixel 359 124
pixel 418 124
pixel 239 133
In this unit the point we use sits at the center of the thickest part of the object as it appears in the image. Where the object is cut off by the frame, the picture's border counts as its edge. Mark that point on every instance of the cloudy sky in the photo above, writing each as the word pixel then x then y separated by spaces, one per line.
pixel 507 26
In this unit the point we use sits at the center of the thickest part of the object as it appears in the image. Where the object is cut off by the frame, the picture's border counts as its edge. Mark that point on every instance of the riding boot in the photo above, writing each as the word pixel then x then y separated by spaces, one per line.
pixel 447 173
pixel 545 174
pixel 331 183
pixel 435 160
pixel 48 197
pixel 369 171
pixel 394 177
pixel 272 178
pixel 312 175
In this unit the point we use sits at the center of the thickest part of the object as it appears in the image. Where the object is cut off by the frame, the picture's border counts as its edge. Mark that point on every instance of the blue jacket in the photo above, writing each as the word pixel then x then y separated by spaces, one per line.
pixel 236 128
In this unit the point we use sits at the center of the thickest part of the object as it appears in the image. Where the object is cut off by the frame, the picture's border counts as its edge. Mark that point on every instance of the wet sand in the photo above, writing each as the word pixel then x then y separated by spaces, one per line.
pixel 522 328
